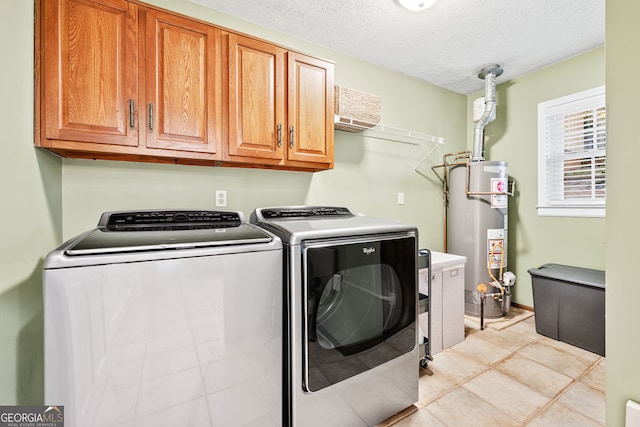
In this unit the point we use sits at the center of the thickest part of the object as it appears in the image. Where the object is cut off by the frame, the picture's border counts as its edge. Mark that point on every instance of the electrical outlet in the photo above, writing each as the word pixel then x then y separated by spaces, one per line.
pixel 221 198
pixel 401 198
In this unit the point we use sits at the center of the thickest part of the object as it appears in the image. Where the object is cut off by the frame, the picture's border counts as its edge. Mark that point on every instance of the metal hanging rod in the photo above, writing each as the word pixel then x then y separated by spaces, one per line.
pixel 402 136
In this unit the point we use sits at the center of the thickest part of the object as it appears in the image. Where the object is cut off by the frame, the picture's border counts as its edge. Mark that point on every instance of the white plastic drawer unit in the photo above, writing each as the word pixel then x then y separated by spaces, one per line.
pixel 447 300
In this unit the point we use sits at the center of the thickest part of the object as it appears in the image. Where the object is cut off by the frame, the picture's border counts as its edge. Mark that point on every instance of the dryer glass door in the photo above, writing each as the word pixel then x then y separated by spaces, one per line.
pixel 360 306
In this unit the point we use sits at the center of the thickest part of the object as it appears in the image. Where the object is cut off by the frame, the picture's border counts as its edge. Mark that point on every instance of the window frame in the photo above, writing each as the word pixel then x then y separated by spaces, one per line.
pixel 566 208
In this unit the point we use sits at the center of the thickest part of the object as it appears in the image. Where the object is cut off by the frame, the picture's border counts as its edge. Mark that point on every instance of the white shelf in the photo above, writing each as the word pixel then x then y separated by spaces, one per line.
pixel 402 136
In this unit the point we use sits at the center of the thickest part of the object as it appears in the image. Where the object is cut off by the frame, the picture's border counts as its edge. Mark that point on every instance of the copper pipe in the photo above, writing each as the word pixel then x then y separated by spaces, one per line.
pixel 445 204
pixel 481 193
pixel 445 188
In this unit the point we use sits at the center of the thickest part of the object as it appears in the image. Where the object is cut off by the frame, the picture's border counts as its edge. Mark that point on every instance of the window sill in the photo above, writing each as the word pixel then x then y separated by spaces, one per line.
pixel 573 211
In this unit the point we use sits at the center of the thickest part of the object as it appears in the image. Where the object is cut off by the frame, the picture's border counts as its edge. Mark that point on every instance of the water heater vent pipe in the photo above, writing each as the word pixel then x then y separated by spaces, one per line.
pixel 489 74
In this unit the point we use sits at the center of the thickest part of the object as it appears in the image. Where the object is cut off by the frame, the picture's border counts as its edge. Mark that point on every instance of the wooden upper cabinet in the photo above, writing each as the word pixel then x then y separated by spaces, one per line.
pixel 256 102
pixel 280 106
pixel 310 98
pixel 118 79
pixel 90 71
pixel 183 97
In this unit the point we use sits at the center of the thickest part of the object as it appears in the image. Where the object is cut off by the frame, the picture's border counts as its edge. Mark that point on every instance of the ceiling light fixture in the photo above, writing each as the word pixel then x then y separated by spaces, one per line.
pixel 416 5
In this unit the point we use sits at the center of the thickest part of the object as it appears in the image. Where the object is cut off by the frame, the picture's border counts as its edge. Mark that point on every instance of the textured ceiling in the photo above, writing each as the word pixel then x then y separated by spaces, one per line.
pixel 446 45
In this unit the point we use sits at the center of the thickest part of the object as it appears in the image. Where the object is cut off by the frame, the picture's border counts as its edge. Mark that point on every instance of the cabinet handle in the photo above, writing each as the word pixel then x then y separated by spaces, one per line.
pixel 279 134
pixel 150 117
pixel 132 114
pixel 291 136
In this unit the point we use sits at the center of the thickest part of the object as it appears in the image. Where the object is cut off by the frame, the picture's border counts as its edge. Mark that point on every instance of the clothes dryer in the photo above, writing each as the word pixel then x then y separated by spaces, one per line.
pixel 350 327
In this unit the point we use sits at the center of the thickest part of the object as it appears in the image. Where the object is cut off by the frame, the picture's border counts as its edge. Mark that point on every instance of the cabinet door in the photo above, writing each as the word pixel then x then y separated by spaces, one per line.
pixel 183 84
pixel 310 109
pixel 90 84
pixel 256 99
pixel 453 304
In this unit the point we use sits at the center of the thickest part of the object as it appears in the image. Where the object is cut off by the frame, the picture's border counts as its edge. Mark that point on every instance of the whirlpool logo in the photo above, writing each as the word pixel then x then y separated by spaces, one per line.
pixel 368 251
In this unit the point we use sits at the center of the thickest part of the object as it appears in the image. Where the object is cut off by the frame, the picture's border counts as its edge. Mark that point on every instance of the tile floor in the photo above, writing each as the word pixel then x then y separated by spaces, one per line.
pixel 511 377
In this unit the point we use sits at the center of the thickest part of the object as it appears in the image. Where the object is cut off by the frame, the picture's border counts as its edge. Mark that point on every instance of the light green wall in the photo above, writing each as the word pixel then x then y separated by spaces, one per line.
pixel 30 213
pixel 513 137
pixel 39 193
pixel 623 233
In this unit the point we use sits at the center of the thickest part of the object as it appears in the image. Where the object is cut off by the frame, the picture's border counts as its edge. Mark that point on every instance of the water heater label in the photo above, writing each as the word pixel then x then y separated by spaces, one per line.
pixel 500 170
pixel 498 185
pixel 496 255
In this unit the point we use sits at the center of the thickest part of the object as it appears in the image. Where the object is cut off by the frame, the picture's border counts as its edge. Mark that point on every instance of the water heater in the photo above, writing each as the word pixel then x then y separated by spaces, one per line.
pixel 477 229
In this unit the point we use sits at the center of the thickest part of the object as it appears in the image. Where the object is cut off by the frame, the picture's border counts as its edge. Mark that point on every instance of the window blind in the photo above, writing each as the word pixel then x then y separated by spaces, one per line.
pixel 575 152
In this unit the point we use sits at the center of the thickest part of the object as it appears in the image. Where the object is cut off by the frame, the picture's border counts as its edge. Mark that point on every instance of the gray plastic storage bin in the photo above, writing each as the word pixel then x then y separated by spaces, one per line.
pixel 569 305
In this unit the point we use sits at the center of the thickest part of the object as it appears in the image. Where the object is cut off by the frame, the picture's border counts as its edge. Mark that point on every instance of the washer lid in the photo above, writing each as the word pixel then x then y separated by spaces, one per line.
pixel 152 230
pixel 102 241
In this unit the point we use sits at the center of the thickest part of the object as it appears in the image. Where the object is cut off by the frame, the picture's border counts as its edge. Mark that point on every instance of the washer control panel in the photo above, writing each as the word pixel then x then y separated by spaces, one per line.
pixel 164 219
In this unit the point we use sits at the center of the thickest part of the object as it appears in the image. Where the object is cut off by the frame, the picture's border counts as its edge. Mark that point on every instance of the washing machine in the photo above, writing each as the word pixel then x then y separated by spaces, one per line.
pixel 165 318
pixel 350 327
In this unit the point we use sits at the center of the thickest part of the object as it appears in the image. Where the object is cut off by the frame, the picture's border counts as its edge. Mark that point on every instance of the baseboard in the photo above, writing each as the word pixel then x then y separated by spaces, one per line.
pixel 522 306
pixel 399 416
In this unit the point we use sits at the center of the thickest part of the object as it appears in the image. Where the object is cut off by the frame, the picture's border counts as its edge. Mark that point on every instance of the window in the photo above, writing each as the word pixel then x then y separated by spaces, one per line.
pixel 572 144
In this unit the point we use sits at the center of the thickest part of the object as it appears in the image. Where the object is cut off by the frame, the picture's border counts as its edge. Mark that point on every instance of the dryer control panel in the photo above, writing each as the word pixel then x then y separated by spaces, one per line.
pixel 306 212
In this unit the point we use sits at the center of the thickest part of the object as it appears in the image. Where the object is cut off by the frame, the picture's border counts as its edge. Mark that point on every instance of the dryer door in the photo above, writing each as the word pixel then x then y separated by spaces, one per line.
pixel 360 306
